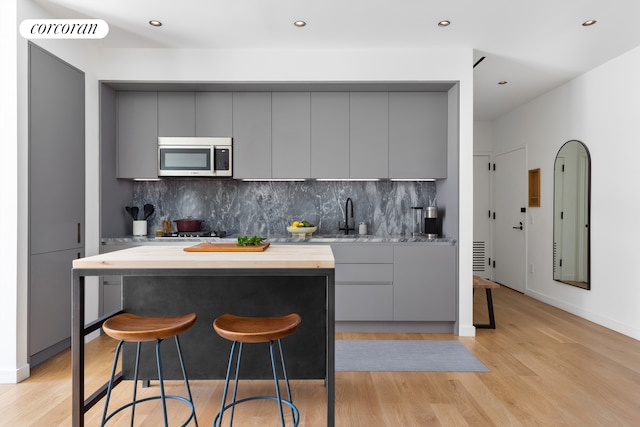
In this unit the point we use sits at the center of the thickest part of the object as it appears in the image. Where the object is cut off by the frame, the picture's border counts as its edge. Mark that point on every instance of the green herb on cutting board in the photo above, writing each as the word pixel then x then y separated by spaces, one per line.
pixel 246 240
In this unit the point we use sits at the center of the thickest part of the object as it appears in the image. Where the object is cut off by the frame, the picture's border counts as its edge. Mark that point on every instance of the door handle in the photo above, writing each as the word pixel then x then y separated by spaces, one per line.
pixel 519 227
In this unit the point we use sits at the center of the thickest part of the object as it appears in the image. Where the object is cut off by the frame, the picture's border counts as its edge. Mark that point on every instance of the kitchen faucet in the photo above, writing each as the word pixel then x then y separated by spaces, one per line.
pixel 346 227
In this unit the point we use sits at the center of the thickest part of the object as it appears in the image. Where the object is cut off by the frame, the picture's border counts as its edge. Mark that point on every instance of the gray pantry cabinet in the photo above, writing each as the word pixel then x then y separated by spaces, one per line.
pixel 251 135
pixel 56 197
pixel 369 135
pixel 137 142
pixel 330 135
pixel 291 135
pixel 417 135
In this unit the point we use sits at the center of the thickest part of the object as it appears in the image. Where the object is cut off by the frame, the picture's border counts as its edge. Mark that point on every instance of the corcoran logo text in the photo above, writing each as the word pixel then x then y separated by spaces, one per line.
pixel 64 29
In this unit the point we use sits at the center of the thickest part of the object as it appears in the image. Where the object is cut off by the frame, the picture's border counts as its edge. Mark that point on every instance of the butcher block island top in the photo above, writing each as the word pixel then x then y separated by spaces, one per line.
pixel 167 257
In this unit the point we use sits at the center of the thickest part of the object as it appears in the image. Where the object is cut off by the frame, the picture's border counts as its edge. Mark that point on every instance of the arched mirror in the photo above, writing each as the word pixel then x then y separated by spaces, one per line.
pixel 571 215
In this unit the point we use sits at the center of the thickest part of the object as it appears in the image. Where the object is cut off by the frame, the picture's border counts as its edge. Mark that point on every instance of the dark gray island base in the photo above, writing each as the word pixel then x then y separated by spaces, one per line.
pixel 205 353
pixel 169 280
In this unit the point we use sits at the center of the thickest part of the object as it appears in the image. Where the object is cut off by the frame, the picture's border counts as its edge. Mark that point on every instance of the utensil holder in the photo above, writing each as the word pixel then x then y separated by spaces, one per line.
pixel 139 228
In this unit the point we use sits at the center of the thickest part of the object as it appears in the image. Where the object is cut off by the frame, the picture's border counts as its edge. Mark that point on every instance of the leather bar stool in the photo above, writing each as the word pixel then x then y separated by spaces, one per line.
pixel 128 327
pixel 241 330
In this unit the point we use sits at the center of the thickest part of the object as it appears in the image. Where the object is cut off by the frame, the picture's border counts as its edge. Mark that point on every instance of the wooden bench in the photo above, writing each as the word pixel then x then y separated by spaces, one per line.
pixel 487 285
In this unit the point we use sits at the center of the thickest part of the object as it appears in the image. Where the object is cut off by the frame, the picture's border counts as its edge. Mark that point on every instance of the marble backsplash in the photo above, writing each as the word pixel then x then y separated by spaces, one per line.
pixel 266 208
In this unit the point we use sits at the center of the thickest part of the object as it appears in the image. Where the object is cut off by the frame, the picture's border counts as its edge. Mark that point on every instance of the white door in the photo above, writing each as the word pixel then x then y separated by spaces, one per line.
pixel 510 214
pixel 482 216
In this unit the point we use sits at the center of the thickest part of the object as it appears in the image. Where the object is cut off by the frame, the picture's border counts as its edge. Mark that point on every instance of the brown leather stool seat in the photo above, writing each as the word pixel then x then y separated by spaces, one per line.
pixel 256 329
pixel 132 328
pixel 129 327
pixel 251 330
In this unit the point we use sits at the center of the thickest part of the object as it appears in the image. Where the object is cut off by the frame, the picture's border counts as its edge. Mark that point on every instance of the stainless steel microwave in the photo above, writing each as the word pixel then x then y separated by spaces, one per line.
pixel 195 156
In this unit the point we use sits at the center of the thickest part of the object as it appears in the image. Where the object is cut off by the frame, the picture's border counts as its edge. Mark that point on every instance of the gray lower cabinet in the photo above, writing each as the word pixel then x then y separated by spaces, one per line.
pixel 424 283
pixel 214 114
pixel 330 135
pixel 110 292
pixel 364 282
pixel 417 135
pixel 137 141
pixel 176 114
pixel 369 135
pixel 252 135
pixel 50 303
pixel 291 139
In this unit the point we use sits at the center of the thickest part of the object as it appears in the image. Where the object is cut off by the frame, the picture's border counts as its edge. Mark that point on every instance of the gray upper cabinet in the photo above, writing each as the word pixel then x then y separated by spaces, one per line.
pixel 214 113
pixel 330 135
pixel 252 135
pixel 369 135
pixel 137 135
pixel 417 135
pixel 291 139
pixel 334 135
pixel 176 114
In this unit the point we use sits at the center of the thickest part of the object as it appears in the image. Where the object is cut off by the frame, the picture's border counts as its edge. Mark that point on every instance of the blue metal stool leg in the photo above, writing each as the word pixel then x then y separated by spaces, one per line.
pixel 277 383
pixel 113 373
pixel 286 379
pixel 135 382
pixel 235 384
pixel 161 381
pixel 217 422
pixel 186 382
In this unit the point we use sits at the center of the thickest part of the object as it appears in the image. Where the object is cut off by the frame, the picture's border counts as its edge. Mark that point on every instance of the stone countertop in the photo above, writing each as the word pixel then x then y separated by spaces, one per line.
pixel 321 239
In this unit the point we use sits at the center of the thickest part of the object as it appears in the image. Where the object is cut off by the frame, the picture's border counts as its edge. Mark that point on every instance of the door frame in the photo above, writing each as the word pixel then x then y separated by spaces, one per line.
pixel 491 203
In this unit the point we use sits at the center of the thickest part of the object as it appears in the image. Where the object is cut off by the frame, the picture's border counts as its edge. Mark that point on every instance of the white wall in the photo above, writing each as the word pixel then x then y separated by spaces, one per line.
pixel 601 109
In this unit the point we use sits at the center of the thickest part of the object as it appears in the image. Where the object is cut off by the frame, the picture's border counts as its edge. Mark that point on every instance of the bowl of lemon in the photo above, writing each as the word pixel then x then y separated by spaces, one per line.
pixel 301 229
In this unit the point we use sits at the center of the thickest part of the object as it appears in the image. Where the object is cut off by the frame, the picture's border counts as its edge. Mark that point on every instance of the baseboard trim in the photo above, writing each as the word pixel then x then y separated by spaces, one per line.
pixel 16 375
pixel 396 327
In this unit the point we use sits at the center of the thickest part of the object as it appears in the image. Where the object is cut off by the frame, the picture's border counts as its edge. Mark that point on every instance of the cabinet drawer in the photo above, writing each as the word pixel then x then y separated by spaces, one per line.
pixel 367 273
pixel 362 253
pixel 364 302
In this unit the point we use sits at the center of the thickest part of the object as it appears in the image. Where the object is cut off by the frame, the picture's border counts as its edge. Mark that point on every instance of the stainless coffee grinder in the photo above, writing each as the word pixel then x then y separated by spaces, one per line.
pixel 431 222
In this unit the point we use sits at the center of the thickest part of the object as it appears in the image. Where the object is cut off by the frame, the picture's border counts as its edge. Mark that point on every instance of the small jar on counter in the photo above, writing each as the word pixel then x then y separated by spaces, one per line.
pixel 166 226
pixel 362 228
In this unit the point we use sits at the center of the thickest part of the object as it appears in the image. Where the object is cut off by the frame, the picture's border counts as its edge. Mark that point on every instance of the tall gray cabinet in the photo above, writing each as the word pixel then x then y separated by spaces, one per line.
pixel 56 197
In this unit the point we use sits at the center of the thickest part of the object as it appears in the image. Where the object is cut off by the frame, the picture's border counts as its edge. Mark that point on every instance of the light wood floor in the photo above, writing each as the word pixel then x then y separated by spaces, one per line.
pixel 548 368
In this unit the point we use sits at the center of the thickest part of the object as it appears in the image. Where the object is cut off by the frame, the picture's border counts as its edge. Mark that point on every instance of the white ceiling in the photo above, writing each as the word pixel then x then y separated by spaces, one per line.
pixel 534 45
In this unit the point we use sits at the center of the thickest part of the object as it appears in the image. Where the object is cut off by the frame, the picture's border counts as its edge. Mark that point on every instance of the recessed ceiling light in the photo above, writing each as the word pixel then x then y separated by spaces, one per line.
pixel 589 23
pixel 300 24
pixel 503 82
pixel 155 23
pixel 444 23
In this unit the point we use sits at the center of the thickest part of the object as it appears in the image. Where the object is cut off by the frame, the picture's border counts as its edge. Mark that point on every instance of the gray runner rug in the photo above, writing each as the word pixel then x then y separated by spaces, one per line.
pixel 405 355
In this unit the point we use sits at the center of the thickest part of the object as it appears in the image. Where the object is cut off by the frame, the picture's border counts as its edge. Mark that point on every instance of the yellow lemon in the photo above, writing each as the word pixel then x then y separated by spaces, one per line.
pixel 295 224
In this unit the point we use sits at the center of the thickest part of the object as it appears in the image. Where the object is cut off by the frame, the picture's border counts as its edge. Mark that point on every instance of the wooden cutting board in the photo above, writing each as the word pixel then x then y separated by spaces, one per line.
pixel 227 247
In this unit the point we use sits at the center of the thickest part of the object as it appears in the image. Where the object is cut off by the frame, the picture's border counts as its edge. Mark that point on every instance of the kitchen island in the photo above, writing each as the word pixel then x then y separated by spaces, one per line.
pixel 282 272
